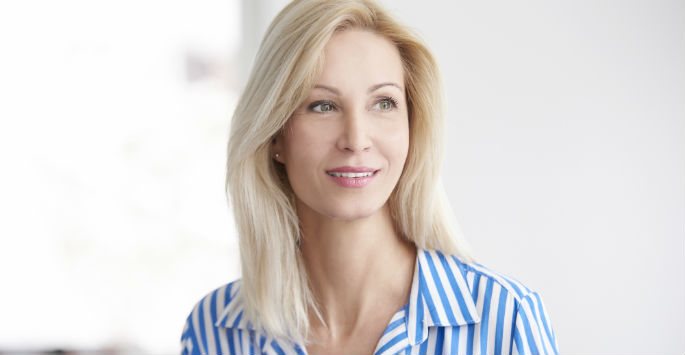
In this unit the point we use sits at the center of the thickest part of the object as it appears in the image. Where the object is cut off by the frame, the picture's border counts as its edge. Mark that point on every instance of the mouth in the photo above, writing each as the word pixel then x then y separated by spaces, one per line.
pixel 353 175
pixel 352 179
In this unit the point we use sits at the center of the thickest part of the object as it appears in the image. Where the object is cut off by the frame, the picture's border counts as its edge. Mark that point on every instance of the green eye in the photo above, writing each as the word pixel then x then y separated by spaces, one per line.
pixel 321 106
pixel 387 104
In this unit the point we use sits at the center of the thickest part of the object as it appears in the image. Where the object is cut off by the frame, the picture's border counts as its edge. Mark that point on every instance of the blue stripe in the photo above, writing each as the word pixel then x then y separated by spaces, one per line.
pixel 441 290
pixel 529 332
pixel 455 340
pixel 428 299
pixel 252 340
pixel 485 318
pixel 215 330
pixel 519 343
pixel 237 319
pixel 455 288
pixel 398 322
pixel 536 315
pixel 201 323
pixel 391 342
pixel 543 316
pixel 277 348
pixel 231 343
pixel 476 285
pixel 440 338
pixel 262 341
pixel 424 347
pixel 419 311
pixel 229 335
pixel 471 330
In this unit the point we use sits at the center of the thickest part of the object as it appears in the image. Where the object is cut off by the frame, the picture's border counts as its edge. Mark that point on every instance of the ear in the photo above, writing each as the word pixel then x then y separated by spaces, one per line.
pixel 277 148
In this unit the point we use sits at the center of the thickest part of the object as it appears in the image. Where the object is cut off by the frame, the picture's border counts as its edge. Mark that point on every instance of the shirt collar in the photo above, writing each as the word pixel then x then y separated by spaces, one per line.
pixel 440 296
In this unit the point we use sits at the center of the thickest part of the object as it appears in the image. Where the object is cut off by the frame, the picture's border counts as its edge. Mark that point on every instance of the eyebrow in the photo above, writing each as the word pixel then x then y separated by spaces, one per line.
pixel 371 89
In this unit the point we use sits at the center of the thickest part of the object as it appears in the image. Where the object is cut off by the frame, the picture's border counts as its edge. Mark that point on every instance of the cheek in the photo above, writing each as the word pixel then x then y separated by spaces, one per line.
pixel 305 143
pixel 395 142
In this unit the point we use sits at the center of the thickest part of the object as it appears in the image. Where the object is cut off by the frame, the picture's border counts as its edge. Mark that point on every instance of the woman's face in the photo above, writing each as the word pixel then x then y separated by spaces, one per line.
pixel 355 119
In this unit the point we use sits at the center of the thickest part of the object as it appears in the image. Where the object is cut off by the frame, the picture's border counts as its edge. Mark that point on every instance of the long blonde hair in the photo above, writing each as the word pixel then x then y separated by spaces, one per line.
pixel 277 297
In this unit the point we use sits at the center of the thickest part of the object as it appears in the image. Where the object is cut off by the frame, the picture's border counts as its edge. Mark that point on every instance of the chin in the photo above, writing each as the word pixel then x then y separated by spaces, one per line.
pixel 352 213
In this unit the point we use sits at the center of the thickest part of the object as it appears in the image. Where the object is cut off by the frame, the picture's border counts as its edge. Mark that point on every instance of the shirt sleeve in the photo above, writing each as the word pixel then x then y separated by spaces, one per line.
pixel 533 332
pixel 189 343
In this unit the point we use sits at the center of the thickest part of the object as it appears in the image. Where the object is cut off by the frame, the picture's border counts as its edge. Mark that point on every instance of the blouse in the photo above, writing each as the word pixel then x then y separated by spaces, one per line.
pixel 454 308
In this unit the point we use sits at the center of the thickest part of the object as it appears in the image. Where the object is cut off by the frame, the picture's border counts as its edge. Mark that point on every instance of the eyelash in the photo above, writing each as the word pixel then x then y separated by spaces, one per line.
pixel 392 100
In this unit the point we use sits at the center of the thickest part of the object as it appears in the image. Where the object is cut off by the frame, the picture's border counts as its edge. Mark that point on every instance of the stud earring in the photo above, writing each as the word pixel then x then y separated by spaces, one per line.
pixel 276 156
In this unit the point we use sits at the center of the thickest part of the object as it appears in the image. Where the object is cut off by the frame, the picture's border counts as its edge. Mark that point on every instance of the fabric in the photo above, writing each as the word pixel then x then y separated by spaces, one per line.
pixel 454 308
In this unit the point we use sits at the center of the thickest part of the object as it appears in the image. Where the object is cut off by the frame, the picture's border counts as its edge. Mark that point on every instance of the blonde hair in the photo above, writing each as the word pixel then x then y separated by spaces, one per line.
pixel 277 297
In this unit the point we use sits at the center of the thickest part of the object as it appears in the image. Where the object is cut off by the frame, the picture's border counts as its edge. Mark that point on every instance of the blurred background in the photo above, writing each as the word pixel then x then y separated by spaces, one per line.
pixel 565 162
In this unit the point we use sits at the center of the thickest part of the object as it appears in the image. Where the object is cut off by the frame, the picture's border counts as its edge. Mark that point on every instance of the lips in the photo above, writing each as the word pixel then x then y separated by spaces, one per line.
pixel 347 177
pixel 352 169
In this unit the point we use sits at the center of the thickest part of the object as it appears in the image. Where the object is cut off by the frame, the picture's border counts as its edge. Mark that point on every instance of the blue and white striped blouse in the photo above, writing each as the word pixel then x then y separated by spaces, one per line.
pixel 454 308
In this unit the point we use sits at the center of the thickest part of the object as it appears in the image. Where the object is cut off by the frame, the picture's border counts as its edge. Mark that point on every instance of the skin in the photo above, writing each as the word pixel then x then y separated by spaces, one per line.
pixel 360 268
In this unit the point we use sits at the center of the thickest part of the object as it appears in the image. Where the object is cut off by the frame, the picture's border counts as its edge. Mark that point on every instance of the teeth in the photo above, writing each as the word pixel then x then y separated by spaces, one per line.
pixel 350 175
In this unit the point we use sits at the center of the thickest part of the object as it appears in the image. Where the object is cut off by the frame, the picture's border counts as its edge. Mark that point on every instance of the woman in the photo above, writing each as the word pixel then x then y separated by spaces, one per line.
pixel 345 237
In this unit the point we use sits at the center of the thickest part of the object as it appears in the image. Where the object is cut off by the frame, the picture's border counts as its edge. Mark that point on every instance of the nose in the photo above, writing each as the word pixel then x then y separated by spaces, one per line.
pixel 355 133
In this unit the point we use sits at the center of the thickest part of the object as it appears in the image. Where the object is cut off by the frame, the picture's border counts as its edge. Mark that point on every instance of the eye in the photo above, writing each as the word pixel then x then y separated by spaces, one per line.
pixel 386 104
pixel 322 106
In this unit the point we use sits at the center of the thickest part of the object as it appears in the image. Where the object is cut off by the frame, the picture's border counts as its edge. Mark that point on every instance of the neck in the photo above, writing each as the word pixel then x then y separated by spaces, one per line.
pixel 353 267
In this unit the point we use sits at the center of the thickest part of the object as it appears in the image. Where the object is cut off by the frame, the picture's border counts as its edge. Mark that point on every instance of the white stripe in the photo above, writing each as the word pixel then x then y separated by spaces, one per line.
pixel 521 330
pixel 542 312
pixel 432 338
pixel 196 327
pixel 492 318
pixel 435 296
pixel 209 330
pixel 401 329
pixel 451 299
pixel 534 329
pixel 548 345
pixel 470 276
pixel 413 322
pixel 235 312
pixel 220 305
pixel 462 340
pixel 237 341
pixel 233 303
pixel 245 343
pixel 479 306
pixel 447 340
pixel 505 281
pixel 397 346
pixel 462 286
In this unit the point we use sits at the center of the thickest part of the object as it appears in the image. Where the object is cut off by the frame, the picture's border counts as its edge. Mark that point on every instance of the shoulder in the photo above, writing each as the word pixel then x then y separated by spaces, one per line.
pixel 507 306
pixel 212 305
pixel 478 274
pixel 200 324
pixel 479 277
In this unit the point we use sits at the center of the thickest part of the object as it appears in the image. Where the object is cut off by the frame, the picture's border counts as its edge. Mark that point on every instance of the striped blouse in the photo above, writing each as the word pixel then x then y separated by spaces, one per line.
pixel 454 308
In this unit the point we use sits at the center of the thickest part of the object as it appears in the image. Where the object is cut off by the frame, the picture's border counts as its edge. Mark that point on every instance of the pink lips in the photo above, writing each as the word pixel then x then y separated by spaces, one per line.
pixel 353 181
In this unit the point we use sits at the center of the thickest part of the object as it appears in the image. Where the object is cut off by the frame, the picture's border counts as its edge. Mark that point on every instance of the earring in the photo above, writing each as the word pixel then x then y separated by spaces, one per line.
pixel 276 156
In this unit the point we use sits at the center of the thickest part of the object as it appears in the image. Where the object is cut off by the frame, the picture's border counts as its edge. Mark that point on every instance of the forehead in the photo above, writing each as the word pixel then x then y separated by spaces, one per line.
pixel 358 57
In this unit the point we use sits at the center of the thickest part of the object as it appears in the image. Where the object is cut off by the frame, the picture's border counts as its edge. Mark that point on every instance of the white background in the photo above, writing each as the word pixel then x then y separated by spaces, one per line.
pixel 565 161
